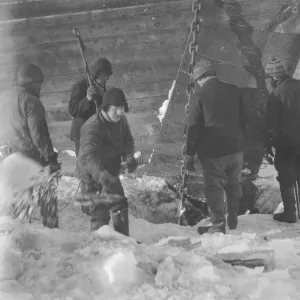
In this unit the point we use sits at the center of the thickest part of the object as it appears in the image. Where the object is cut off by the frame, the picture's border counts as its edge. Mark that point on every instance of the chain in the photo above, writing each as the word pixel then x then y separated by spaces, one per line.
pixel 193 49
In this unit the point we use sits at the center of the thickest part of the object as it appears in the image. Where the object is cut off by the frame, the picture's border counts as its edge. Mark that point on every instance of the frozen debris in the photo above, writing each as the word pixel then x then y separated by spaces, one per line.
pixel 69 152
pixel 206 272
pixel 248 255
pixel 175 242
pixel 279 208
pixel 235 248
pixel 121 268
pixel 73 264
pixel 137 155
pixel 17 174
pixel 107 233
pixel 166 271
pixel 10 264
pixel 268 196
pixel 163 109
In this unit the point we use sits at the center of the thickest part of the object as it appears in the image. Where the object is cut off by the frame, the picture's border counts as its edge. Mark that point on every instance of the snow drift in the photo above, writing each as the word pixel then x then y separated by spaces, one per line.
pixel 172 263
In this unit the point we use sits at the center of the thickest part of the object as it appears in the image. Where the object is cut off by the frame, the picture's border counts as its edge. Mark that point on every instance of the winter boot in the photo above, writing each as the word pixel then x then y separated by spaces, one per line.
pixel 232 221
pixel 121 221
pixel 218 224
pixel 289 214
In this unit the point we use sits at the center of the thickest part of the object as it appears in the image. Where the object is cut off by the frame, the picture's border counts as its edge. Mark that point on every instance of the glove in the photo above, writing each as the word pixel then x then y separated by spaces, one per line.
pixel 92 92
pixel 269 154
pixel 55 168
pixel 189 163
pixel 130 164
pixel 52 158
pixel 106 180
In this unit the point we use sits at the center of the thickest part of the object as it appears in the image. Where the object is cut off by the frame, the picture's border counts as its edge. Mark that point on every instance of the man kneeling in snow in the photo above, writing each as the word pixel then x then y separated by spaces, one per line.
pixel 106 140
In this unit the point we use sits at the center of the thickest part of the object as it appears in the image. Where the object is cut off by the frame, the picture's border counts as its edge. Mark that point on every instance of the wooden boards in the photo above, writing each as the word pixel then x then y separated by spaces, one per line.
pixel 144 41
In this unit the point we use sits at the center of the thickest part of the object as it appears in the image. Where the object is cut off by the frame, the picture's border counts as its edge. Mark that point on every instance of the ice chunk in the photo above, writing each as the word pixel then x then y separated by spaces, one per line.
pixel 120 268
pixel 236 248
pixel 70 153
pixel 206 273
pixel 166 272
pixel 163 109
pixel 175 241
pixel 10 264
pixel 285 252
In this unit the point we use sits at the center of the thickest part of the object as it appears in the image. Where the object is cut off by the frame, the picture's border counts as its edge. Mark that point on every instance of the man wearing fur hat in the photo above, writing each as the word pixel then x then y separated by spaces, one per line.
pixel 84 99
pixel 106 146
pixel 215 132
pixel 283 121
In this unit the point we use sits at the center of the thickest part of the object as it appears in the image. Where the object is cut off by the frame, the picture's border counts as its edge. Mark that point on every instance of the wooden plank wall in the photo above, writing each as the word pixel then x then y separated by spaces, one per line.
pixel 144 41
pixel 237 36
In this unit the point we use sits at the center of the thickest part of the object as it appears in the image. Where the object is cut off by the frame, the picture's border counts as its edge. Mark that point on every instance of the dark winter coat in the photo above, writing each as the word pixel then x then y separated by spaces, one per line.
pixel 102 144
pixel 23 126
pixel 283 114
pixel 80 108
pixel 216 120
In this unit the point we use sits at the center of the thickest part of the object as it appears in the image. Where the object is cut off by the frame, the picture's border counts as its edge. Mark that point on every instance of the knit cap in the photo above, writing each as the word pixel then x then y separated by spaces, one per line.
pixel 116 97
pixel 275 67
pixel 201 68
pixel 29 73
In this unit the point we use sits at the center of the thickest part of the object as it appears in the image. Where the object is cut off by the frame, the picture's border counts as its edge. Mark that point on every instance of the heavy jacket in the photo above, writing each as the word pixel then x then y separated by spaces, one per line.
pixel 80 108
pixel 215 120
pixel 102 145
pixel 283 114
pixel 23 126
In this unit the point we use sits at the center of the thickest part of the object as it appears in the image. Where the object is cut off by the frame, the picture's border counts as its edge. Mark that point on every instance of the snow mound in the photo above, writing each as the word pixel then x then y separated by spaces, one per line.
pixel 172 263
pixel 53 264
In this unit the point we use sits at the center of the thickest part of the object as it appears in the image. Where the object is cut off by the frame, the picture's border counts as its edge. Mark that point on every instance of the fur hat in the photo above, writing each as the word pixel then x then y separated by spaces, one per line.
pixel 275 67
pixel 101 66
pixel 116 97
pixel 201 68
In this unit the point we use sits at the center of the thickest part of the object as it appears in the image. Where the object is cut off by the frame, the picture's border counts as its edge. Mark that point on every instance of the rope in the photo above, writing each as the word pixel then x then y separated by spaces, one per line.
pixel 174 83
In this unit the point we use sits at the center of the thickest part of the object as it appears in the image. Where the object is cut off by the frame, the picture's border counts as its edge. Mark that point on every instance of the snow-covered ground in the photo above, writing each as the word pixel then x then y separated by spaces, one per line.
pixel 69 263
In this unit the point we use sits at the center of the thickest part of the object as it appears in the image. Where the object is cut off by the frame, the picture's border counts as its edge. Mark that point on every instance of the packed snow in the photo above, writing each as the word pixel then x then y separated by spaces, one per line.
pixel 172 262
pixel 163 109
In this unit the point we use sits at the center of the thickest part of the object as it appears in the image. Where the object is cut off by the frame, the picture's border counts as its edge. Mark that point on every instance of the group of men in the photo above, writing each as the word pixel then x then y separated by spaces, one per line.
pixel 217 120
pixel 104 144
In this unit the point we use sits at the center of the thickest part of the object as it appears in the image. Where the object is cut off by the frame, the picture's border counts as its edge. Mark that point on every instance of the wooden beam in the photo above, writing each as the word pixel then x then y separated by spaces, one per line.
pixel 93 24
pixel 10 9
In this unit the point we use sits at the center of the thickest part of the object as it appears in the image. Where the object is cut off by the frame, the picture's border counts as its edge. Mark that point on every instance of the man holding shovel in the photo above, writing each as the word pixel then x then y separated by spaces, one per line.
pixel 283 123
pixel 107 147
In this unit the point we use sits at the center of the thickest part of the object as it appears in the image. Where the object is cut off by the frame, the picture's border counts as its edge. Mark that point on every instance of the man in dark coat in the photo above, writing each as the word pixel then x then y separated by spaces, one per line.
pixel 216 133
pixel 106 143
pixel 283 120
pixel 84 100
pixel 23 126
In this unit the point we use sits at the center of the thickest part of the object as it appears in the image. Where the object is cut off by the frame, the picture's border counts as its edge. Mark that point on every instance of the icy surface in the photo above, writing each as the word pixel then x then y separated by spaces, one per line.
pixel 172 263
